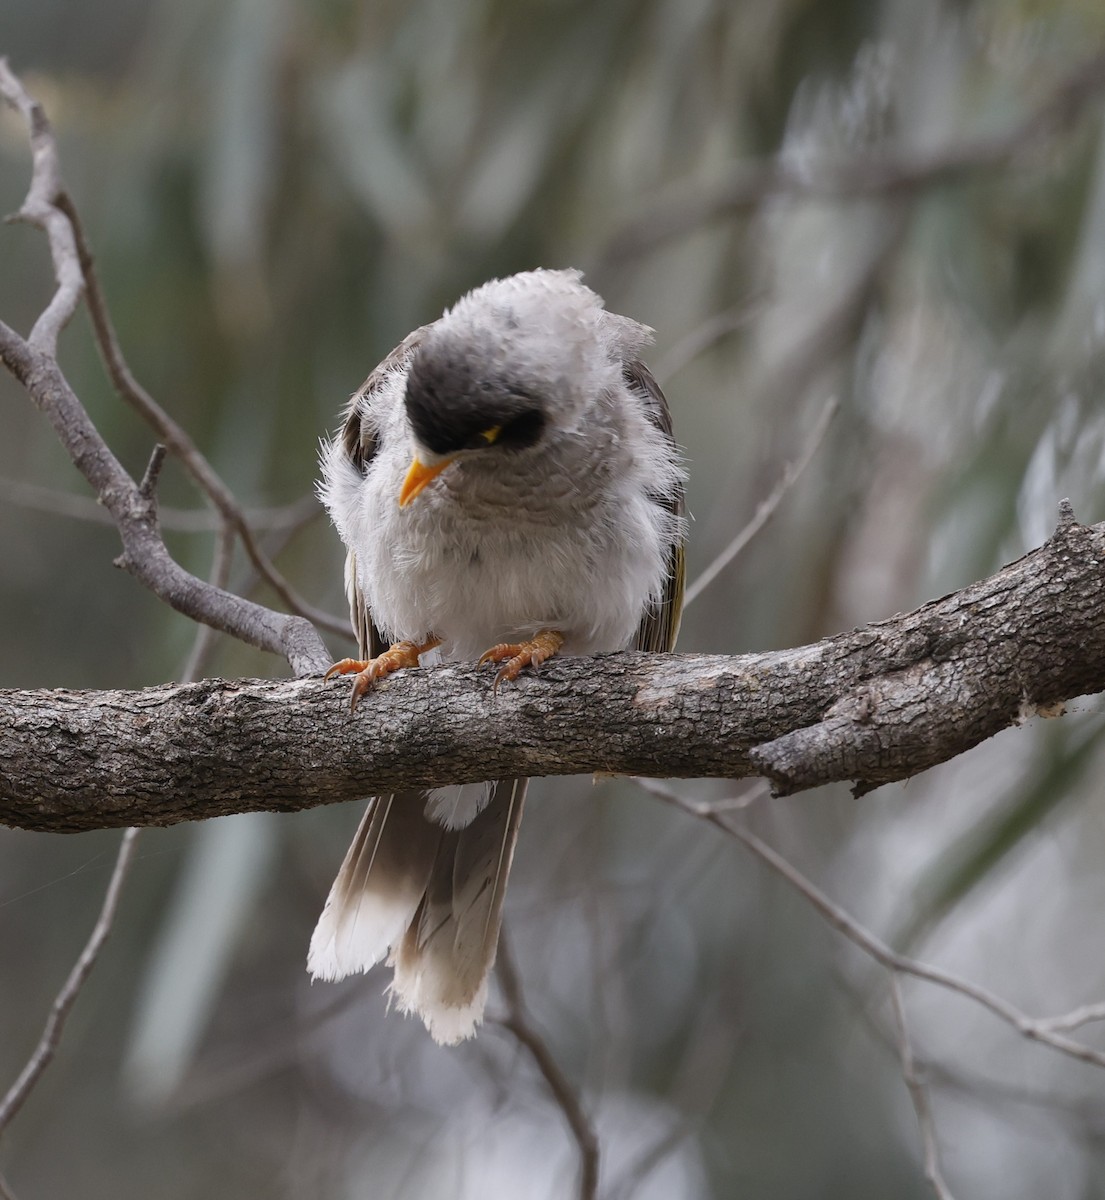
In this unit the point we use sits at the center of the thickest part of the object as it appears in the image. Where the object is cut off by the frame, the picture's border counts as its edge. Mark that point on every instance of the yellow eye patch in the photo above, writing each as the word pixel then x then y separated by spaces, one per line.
pixel 491 434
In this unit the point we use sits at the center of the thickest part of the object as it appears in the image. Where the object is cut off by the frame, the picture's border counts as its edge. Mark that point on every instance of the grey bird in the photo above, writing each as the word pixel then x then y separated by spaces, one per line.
pixel 507 487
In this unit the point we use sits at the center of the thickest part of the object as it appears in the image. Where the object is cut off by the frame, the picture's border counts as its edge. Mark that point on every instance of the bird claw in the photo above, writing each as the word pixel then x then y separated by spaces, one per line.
pixel 516 656
pixel 368 671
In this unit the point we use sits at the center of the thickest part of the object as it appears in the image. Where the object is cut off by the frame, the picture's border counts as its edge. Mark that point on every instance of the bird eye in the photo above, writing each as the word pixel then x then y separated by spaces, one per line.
pixel 523 430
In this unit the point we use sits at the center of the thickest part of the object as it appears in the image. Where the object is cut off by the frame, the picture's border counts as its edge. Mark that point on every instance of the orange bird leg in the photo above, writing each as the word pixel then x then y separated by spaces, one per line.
pixel 516 656
pixel 368 671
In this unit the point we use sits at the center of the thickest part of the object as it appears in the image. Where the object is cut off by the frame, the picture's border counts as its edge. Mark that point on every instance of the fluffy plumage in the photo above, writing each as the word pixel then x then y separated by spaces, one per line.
pixel 560 508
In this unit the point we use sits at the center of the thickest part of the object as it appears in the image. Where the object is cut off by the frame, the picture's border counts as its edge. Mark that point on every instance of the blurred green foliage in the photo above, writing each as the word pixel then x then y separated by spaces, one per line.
pixel 276 193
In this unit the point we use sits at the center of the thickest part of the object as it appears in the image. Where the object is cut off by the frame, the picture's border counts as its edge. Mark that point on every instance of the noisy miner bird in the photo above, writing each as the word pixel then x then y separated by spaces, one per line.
pixel 507 487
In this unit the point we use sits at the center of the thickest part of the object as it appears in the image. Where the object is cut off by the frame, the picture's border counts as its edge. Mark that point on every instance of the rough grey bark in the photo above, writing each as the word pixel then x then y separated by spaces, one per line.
pixel 873 705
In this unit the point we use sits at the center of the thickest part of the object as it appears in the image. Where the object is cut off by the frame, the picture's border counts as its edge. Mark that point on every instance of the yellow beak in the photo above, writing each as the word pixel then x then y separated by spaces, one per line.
pixel 417 477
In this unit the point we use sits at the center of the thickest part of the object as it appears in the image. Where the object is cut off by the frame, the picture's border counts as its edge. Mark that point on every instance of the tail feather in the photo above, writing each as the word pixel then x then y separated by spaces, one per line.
pixel 458 805
pixel 433 896
pixel 442 965
pixel 480 871
pixel 378 887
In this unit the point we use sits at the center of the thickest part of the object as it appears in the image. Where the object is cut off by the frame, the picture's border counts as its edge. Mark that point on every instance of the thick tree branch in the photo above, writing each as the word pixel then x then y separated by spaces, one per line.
pixel 873 705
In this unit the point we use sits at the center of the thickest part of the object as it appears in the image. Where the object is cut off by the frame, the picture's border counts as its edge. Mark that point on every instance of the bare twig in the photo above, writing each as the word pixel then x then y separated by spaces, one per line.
pixel 295 519
pixel 703 1070
pixel 519 1023
pixel 66 998
pixel 1033 1029
pixel 204 640
pixel 57 503
pixel 918 1093
pixel 51 1037
pixel 147 487
pixel 59 1012
pixel 708 334
pixel 977 1087
pixel 144 553
pixel 40 209
pixel 175 437
pixel 1075 1019
pixel 1045 1031
pixel 767 507
pixel 34 363
pixel 835 329
pixel 51 208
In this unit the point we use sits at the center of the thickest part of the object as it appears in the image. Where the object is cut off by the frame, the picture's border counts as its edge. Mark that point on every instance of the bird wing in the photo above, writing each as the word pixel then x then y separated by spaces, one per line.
pixel 361 445
pixel 384 876
pixel 660 624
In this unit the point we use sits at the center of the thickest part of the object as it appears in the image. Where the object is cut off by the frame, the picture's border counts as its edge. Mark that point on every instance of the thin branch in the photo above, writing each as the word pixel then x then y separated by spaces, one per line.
pixel 767 507
pixel 147 487
pixel 977 1087
pixel 176 438
pixel 204 640
pixel 59 1012
pixel 705 336
pixel 1075 1019
pixel 55 1025
pixel 700 1076
pixel 33 362
pixel 144 553
pixel 57 503
pixel 519 1023
pixel 50 207
pixel 6 1192
pixel 1033 1029
pixel 40 209
pixel 918 1093
pixel 296 519
pixel 17 1095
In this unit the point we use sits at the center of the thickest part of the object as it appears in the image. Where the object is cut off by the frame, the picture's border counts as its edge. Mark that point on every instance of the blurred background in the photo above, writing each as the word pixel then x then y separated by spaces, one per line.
pixel 276 193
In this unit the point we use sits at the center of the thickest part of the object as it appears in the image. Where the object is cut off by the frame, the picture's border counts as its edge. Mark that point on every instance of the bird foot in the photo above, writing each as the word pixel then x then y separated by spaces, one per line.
pixel 516 656
pixel 368 671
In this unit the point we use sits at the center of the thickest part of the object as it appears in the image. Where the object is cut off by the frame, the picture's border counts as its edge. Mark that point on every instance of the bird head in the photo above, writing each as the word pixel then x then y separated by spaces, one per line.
pixel 511 364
